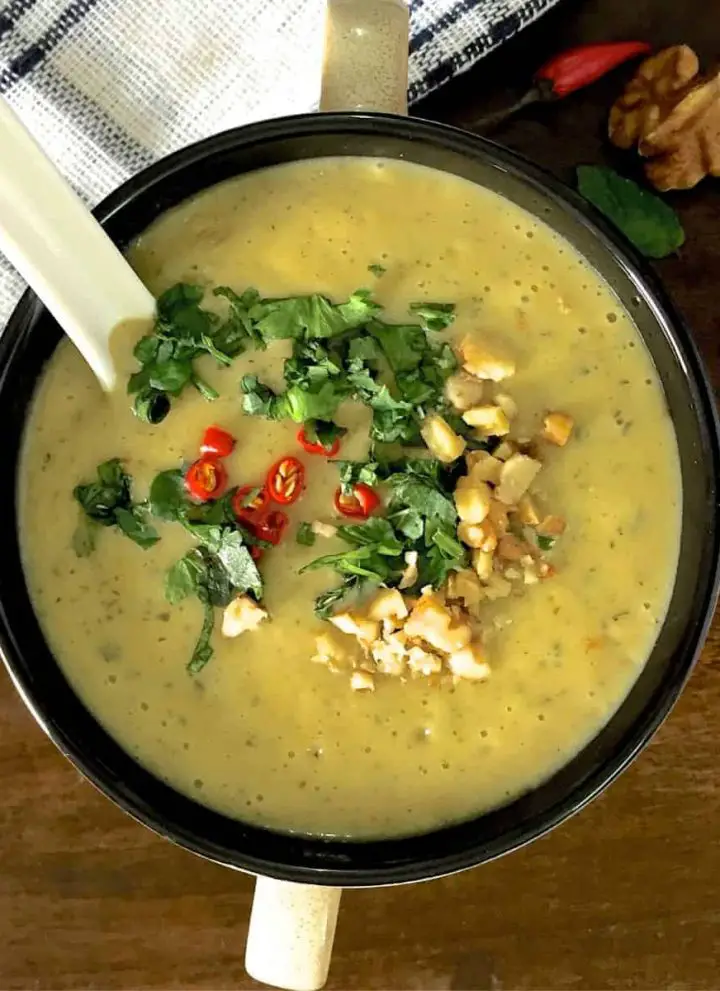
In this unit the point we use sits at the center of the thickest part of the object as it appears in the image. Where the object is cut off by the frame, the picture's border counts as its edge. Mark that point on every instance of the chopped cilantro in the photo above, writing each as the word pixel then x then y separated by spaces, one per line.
pixel 219 567
pixel 108 502
pixel 305 535
pixel 434 316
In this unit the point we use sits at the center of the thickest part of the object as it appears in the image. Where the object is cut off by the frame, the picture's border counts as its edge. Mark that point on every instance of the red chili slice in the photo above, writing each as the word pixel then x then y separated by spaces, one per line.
pixel 218 442
pixel 360 504
pixel 256 552
pixel 205 479
pixel 286 480
pixel 272 527
pixel 249 508
pixel 315 447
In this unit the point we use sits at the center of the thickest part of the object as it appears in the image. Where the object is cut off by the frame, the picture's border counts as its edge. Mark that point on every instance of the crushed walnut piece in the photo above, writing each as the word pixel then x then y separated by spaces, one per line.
pixel 672 113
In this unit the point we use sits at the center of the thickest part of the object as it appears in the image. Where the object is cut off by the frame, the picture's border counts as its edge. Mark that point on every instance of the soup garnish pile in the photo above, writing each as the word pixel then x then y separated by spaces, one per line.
pixel 444 498
pixel 386 525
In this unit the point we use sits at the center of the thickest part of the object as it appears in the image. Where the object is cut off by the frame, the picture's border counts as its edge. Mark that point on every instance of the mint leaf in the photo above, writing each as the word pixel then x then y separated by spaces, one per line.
pixel 645 219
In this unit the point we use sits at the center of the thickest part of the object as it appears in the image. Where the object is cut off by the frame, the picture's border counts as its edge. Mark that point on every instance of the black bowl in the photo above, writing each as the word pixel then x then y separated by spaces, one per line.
pixel 29 341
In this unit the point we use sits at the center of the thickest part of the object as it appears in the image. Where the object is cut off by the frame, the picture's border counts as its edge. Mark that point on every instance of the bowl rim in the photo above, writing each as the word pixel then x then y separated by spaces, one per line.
pixel 450 848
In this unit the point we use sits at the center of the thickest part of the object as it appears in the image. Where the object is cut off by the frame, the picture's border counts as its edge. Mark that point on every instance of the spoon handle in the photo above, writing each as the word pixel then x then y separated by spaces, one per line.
pixel 58 247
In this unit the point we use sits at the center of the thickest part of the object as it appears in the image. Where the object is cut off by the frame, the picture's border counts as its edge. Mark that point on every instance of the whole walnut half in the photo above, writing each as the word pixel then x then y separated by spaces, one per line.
pixel 672 113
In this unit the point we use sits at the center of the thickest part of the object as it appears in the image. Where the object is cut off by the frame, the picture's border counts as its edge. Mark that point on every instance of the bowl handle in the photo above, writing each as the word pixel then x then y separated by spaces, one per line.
pixel 292 927
pixel 366 56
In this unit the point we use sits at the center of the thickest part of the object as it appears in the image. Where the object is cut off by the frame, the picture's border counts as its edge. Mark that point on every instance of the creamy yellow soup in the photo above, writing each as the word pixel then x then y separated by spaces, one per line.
pixel 262 733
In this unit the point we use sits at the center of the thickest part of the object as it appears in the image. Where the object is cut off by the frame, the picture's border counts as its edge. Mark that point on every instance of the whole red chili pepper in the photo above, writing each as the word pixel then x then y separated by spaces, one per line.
pixel 578 67
pixel 565 73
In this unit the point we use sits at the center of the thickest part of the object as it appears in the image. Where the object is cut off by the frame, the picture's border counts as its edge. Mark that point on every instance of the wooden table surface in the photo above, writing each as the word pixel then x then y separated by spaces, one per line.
pixel 625 895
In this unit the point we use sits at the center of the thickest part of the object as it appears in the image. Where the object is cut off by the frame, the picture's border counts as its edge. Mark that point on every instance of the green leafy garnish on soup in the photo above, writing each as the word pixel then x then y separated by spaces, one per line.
pixel 219 568
pixel 108 502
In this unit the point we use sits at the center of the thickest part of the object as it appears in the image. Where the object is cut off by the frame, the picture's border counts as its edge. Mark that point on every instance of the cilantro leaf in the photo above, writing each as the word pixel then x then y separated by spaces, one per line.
pixel 239 565
pixel 323 432
pixel 321 403
pixel 313 316
pixel 403 345
pixel 326 603
pixel 305 535
pixel 134 525
pixel 108 502
pixel 648 221
pixel 168 495
pixel 239 331
pixel 203 650
pixel 376 533
pixel 434 316
pixel 353 473
pixel 260 400
pixel 182 579
pixel 219 567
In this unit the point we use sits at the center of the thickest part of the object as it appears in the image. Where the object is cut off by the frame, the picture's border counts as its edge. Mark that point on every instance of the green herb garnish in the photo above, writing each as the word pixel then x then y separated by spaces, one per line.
pixel 108 502
pixel 184 331
pixel 306 535
pixel 377 270
pixel 219 568
pixel 421 517
pixel 645 219
pixel 545 543
pixel 434 316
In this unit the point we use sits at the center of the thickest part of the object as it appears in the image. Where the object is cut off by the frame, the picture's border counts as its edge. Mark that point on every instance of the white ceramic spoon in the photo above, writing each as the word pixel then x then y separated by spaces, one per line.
pixel 59 248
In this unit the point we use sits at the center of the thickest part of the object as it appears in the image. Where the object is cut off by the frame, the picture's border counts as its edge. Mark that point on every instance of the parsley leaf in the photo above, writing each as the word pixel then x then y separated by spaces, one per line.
pixel 108 502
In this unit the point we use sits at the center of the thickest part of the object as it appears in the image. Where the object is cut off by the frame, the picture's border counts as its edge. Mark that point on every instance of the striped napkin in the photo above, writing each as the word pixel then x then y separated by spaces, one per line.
pixel 109 86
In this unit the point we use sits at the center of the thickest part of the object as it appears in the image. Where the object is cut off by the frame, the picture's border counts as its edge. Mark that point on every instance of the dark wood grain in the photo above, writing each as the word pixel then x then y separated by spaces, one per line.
pixel 625 895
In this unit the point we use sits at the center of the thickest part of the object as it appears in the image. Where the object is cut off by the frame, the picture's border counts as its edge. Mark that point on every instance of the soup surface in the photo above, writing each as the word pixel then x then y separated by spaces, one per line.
pixel 261 733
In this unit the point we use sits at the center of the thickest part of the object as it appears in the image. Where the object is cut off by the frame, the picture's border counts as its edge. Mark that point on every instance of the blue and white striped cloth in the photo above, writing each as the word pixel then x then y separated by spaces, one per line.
pixel 109 86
